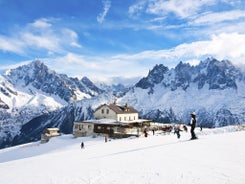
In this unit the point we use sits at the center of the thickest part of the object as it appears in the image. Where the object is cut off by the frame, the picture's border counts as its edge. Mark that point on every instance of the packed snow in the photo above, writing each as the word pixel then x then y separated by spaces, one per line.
pixel 216 157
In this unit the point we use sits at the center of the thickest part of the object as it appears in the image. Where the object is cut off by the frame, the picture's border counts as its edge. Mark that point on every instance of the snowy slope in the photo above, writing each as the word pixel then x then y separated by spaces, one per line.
pixel 212 159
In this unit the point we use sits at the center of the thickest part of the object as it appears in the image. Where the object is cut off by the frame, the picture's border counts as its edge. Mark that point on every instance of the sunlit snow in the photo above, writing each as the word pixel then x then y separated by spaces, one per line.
pixel 217 157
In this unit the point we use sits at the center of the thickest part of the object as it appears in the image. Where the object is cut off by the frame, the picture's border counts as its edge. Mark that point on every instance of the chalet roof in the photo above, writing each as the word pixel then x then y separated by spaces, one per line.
pixel 118 109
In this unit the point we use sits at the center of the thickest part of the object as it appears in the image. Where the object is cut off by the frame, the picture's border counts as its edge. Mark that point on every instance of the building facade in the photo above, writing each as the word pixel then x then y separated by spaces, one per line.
pixel 119 113
pixel 112 120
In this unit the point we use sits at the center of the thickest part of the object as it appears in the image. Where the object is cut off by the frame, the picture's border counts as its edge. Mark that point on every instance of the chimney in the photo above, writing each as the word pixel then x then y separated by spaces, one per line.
pixel 126 107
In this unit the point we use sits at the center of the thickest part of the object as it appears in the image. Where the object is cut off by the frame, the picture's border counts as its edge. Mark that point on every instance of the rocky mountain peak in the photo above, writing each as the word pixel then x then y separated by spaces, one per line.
pixel 216 74
pixel 155 76
pixel 38 75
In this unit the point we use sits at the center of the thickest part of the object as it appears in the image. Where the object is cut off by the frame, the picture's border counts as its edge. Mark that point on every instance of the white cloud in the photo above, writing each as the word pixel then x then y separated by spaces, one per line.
pixel 180 8
pixel 48 42
pixel 219 17
pixel 41 23
pixel 40 34
pixel 11 45
pixel 222 46
pixel 101 16
pixel 137 9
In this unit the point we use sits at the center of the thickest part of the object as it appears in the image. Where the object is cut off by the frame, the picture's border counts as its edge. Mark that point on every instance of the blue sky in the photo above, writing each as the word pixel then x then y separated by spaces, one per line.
pixel 114 38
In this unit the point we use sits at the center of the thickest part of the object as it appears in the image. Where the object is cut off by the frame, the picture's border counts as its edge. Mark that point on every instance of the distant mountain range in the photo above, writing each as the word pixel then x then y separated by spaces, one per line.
pixel 33 97
pixel 214 89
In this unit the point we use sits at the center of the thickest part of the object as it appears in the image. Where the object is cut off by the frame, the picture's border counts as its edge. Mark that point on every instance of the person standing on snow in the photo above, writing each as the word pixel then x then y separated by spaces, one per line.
pixel 193 125
pixel 82 145
pixel 177 131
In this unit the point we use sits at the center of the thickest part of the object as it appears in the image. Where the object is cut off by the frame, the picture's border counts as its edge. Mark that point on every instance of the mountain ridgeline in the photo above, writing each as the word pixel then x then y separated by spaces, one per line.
pixel 211 72
pixel 33 97
pixel 41 78
pixel 214 89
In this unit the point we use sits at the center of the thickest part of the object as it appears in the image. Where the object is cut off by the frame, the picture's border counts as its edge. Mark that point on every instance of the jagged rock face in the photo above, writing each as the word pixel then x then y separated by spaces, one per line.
pixel 213 89
pixel 155 76
pixel 40 77
pixel 216 74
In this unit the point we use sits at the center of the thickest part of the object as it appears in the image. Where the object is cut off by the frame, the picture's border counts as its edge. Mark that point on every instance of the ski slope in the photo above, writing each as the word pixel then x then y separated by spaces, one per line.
pixel 217 157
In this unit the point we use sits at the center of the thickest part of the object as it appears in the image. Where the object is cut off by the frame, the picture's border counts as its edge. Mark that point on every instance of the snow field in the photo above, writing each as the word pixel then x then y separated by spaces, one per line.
pixel 213 158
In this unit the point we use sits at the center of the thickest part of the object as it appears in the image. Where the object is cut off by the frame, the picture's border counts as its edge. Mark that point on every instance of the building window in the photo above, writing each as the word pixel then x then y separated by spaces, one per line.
pixel 102 111
pixel 80 127
pixel 99 127
pixel 120 119
pixel 107 111
pixel 124 118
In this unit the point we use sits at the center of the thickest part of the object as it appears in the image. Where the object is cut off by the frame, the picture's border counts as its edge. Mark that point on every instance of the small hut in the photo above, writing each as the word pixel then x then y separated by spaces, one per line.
pixel 48 133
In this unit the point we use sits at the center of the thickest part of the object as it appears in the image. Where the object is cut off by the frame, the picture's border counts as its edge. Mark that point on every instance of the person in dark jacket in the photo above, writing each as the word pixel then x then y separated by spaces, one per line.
pixel 193 125
pixel 82 145
pixel 177 131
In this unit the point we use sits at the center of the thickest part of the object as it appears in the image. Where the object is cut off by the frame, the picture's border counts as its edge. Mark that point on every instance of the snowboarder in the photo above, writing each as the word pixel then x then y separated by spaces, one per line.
pixel 193 125
pixel 82 145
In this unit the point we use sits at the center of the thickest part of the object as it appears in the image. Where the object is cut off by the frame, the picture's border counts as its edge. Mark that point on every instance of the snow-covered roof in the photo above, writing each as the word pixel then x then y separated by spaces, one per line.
pixel 54 129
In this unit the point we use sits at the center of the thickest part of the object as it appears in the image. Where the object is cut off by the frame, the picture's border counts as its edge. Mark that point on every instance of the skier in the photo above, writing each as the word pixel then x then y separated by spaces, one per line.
pixel 145 132
pixel 177 131
pixel 193 125
pixel 82 145
pixel 153 132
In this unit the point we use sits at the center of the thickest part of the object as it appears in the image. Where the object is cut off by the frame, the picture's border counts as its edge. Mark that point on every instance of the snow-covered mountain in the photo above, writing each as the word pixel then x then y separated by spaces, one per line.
pixel 31 92
pixel 214 89
pixel 32 98
pixel 37 76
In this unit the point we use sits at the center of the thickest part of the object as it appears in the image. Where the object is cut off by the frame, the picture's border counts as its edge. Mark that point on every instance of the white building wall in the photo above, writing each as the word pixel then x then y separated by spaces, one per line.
pixel 81 129
pixel 105 112
pixel 127 117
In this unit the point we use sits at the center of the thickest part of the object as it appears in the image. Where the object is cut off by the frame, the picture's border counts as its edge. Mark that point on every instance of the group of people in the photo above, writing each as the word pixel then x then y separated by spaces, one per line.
pixel 193 123
pixel 177 129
